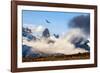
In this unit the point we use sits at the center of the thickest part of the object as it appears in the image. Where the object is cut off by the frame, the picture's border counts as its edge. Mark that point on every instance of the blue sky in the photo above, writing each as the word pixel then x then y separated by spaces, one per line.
pixel 58 20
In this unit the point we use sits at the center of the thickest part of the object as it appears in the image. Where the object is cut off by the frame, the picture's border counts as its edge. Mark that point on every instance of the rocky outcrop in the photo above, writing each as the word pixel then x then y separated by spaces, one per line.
pixel 28 34
pixel 84 45
pixel 46 33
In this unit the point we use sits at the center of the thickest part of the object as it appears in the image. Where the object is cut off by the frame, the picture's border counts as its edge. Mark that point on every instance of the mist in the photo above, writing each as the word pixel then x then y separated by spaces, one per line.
pixel 63 45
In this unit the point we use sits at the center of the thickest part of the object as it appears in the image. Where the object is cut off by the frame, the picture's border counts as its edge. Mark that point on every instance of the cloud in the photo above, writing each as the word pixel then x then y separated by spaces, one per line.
pixel 62 45
pixel 39 28
pixel 75 35
pixel 28 25
pixel 82 22
pixel 34 28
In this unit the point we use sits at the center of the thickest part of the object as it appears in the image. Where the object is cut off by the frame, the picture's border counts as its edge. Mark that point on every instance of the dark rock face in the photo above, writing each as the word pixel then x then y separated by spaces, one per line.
pixel 31 37
pixel 84 45
pixel 27 33
pixel 27 52
pixel 80 43
pixel 56 36
pixel 46 33
pixel 51 41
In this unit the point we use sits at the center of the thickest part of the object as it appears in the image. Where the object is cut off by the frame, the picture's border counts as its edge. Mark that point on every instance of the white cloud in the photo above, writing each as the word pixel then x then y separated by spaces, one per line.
pixel 39 28
pixel 28 25
pixel 34 28
pixel 62 45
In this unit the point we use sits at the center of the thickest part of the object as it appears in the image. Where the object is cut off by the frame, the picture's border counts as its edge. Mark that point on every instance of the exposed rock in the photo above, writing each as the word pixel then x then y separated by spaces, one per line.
pixel 27 52
pixel 27 33
pixel 51 41
pixel 46 33
pixel 56 36
pixel 84 45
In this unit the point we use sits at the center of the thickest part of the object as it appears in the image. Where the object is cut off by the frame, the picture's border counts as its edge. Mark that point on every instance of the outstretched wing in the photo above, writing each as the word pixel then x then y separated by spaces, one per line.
pixel 47 21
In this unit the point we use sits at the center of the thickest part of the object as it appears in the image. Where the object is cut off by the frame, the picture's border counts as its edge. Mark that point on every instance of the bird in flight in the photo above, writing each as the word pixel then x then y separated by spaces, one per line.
pixel 47 21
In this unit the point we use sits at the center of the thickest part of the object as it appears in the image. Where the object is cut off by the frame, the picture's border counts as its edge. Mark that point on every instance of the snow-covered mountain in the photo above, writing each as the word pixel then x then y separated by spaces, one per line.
pixel 45 45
